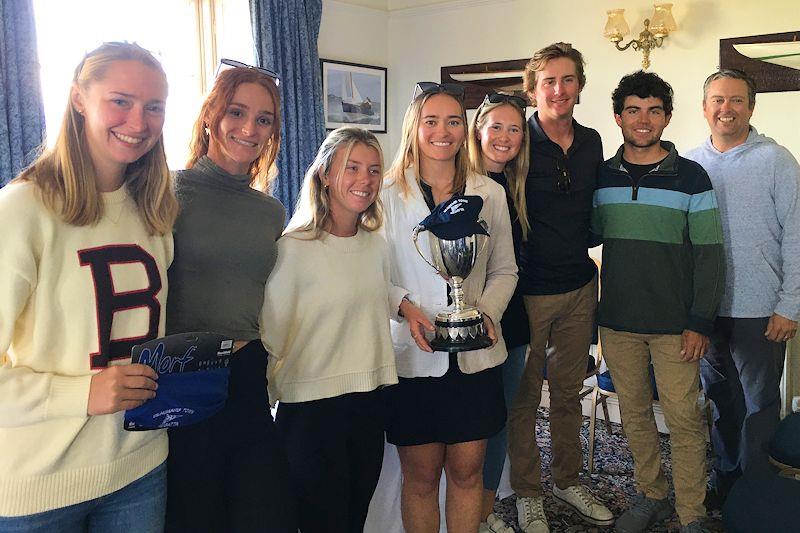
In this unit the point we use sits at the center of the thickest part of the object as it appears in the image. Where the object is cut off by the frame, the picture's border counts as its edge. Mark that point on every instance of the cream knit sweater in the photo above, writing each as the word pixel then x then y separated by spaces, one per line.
pixel 72 301
pixel 326 316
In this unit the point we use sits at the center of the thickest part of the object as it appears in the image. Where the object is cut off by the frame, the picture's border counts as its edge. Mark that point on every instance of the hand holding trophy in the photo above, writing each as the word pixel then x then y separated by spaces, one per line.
pixel 456 244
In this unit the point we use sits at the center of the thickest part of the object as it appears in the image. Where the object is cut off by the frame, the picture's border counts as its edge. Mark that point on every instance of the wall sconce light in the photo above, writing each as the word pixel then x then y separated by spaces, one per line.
pixel 653 35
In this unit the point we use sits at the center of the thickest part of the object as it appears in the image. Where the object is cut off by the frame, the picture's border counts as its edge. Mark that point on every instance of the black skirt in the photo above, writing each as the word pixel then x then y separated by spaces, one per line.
pixel 453 408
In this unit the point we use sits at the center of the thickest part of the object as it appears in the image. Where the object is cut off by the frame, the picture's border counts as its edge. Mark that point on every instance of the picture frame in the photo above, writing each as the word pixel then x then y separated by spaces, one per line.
pixel 480 79
pixel 353 95
pixel 768 73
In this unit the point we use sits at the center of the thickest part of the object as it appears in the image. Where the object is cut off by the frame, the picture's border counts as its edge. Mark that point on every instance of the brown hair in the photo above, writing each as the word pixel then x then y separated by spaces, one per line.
pixel 263 170
pixel 65 174
pixel 542 56
pixel 516 170
pixel 408 153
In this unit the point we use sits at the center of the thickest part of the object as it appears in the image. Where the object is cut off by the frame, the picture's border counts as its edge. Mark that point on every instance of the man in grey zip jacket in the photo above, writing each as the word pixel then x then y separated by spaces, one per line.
pixel 757 183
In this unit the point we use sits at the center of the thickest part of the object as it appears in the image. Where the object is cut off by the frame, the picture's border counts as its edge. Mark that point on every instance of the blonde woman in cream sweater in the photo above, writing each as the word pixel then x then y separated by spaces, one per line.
pixel 83 277
pixel 325 322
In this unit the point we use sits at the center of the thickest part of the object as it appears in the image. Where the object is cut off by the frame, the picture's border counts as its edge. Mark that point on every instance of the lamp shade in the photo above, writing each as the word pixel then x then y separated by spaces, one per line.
pixel 616 27
pixel 662 23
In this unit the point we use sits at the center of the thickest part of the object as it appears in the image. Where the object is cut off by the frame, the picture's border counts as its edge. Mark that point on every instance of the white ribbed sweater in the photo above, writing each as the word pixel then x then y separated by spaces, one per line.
pixel 326 316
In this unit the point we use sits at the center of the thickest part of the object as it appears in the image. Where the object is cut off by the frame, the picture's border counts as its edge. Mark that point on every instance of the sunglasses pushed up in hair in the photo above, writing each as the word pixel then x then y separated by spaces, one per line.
pixel 225 64
pixel 431 87
pixel 497 98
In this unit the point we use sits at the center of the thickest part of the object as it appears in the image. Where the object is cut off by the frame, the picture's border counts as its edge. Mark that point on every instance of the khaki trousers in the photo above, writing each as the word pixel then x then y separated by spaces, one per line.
pixel 628 356
pixel 561 331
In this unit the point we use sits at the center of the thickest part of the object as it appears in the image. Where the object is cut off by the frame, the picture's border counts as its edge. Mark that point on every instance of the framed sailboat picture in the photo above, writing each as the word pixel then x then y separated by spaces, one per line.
pixel 354 95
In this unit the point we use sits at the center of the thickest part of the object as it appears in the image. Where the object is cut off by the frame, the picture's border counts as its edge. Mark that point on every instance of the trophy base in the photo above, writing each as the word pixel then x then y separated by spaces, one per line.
pixel 456 334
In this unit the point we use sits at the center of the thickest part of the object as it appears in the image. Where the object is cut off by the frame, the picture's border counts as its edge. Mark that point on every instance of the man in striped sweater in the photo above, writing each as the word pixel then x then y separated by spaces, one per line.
pixel 662 278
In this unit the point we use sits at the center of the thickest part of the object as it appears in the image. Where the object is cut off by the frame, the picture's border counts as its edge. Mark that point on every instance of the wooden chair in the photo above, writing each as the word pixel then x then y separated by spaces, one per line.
pixel 599 395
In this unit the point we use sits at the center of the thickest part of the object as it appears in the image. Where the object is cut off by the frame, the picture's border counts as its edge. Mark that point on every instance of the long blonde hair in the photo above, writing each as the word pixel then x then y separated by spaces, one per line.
pixel 66 176
pixel 408 153
pixel 516 170
pixel 313 211
pixel 263 170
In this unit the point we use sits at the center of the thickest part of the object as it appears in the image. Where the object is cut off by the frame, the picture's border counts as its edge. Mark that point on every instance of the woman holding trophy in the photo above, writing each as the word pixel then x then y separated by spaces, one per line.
pixel 325 322
pixel 499 147
pixel 447 403
pixel 229 472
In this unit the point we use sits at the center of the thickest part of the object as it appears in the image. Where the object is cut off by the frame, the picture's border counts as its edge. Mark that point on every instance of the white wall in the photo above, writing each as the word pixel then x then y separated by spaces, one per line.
pixel 415 42
pixel 356 34
pixel 422 40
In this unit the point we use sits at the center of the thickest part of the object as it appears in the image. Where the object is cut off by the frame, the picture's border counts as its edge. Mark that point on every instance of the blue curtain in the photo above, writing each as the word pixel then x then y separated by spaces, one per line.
pixel 21 107
pixel 285 34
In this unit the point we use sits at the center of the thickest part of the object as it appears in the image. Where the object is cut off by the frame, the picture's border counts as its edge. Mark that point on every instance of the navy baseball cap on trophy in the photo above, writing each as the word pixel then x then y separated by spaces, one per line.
pixel 456 218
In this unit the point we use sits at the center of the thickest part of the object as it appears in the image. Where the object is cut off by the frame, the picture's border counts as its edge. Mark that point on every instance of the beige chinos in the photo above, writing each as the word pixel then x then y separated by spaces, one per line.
pixel 628 356
pixel 561 332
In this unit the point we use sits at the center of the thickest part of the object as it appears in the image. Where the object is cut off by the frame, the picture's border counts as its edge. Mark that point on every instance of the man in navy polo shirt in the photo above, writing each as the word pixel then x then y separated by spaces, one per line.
pixel 559 282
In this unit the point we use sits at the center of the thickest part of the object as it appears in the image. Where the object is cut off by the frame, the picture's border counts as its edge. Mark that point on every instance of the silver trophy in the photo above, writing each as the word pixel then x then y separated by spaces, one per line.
pixel 459 328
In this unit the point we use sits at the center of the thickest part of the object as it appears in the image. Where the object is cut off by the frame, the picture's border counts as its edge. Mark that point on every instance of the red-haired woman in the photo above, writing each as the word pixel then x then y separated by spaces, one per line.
pixel 229 473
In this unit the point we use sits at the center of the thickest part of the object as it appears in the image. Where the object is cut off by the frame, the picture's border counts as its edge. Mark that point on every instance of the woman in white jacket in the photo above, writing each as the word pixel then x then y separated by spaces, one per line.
pixel 446 405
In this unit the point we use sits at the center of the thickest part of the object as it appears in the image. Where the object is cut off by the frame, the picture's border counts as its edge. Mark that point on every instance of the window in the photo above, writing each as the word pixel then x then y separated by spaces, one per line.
pixel 187 36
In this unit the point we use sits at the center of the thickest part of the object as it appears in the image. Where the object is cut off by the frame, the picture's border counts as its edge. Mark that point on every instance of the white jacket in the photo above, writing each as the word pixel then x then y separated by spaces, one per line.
pixel 489 286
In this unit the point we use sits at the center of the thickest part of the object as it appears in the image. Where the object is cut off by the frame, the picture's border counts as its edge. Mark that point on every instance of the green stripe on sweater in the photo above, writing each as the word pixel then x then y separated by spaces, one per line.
pixel 642 223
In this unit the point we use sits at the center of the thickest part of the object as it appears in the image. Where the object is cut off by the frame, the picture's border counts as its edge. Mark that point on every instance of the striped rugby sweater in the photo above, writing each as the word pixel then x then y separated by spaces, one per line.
pixel 663 260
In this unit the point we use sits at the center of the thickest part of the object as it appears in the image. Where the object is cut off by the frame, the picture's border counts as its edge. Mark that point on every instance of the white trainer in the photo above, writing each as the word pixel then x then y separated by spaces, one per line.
pixel 495 524
pixel 585 504
pixel 530 512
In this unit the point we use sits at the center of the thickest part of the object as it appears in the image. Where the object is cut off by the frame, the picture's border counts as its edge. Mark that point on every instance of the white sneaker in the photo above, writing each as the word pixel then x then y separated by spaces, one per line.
pixel 495 524
pixel 587 506
pixel 530 512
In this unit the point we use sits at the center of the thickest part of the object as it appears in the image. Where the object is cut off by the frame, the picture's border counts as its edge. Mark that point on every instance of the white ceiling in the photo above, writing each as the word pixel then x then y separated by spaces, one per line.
pixel 392 5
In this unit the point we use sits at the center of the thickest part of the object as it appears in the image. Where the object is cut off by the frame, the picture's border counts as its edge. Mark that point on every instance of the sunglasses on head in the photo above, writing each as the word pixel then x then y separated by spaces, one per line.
pixel 497 98
pixel 431 87
pixel 225 64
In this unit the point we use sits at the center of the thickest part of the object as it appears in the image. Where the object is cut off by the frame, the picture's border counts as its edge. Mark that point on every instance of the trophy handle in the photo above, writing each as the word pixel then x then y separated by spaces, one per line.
pixel 414 234
pixel 485 239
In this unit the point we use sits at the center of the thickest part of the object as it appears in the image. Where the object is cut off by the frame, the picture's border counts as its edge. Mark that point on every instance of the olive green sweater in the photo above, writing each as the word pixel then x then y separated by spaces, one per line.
pixel 225 248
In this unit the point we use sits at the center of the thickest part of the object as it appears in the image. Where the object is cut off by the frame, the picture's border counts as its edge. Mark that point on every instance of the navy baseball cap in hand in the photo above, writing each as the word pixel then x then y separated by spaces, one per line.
pixel 456 218
pixel 193 370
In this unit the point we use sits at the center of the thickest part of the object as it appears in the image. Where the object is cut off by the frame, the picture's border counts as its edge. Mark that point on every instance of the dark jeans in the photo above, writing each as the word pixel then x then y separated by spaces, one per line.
pixel 497 446
pixel 741 374
pixel 230 472
pixel 335 448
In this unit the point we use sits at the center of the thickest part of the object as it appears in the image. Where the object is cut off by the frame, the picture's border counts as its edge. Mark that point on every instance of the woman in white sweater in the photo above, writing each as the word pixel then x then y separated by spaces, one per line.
pixel 446 405
pixel 325 322
pixel 83 278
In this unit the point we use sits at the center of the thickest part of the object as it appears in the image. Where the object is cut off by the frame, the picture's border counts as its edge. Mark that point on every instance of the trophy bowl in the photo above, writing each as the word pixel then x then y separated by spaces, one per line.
pixel 459 327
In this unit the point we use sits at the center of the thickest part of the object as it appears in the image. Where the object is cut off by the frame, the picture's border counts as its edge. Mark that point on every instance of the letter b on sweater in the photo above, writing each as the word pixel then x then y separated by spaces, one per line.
pixel 110 300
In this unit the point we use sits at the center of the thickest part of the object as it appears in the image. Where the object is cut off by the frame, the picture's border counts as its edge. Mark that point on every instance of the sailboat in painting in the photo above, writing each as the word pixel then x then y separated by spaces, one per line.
pixel 352 101
pixel 349 106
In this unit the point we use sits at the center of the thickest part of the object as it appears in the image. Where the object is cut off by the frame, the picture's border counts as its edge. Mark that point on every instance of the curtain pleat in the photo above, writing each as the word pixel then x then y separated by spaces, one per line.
pixel 22 123
pixel 285 33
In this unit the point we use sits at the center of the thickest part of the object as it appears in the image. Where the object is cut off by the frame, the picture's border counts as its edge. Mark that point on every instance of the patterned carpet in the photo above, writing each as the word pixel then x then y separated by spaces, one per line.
pixel 612 481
